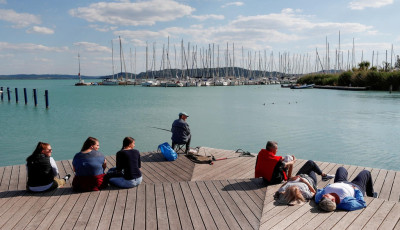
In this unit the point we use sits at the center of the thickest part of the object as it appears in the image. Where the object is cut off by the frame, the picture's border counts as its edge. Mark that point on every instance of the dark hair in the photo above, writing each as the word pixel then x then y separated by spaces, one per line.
pixel 271 145
pixel 127 141
pixel 88 143
pixel 38 150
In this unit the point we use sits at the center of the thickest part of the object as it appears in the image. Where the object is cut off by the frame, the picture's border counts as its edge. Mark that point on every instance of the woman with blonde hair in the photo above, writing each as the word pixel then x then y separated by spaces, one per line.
pixel 301 187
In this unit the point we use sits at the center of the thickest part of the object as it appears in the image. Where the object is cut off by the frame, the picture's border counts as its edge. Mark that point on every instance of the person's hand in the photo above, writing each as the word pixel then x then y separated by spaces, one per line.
pixel 294 158
pixel 293 178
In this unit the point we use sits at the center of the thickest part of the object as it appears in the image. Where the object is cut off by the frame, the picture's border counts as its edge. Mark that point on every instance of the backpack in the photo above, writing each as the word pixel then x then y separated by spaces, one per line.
pixel 167 151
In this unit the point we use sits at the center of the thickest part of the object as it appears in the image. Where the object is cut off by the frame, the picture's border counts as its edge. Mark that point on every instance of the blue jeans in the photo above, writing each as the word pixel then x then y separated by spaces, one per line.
pixel 122 183
pixel 310 168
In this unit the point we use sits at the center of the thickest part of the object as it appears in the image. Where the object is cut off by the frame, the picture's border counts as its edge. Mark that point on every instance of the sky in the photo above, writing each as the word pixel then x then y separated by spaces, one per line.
pixel 45 36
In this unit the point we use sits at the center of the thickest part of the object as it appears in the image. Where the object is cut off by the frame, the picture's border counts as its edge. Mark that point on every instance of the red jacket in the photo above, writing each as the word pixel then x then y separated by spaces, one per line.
pixel 266 162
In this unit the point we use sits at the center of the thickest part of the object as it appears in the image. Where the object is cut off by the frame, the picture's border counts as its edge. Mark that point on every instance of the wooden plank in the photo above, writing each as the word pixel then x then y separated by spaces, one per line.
pixel 378 184
pixel 87 210
pixel 161 208
pixel 288 219
pixel 216 215
pixel 245 196
pixel 151 212
pixel 395 192
pixel 233 204
pixel 281 216
pixel 387 185
pixel 367 213
pixel 140 213
pixel 109 208
pixel 61 204
pixel 227 213
pixel 184 216
pixel 195 205
pixel 309 215
pixel 118 209
pixel 22 179
pixel 5 181
pixel 39 211
pixel 61 223
pixel 379 215
pixel 97 210
pixel 245 185
pixel 172 210
pixel 392 218
pixel 130 209
pixel 352 216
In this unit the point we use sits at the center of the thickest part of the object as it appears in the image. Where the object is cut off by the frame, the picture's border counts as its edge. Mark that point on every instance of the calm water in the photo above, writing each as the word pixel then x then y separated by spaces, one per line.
pixel 359 128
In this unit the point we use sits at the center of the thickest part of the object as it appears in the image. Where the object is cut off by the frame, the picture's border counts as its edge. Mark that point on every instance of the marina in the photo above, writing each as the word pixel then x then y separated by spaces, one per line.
pixel 184 195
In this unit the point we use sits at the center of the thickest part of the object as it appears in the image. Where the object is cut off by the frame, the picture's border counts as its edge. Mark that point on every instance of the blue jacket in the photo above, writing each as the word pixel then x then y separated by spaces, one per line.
pixel 180 131
pixel 348 203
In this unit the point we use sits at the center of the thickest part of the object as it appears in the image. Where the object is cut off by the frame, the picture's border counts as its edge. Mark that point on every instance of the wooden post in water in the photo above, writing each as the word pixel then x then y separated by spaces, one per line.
pixel 1 89
pixel 25 97
pixel 16 95
pixel 8 94
pixel 35 97
pixel 390 88
pixel 46 95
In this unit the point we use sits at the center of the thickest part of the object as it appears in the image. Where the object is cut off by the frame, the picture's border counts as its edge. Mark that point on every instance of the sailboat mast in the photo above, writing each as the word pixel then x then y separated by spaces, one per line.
pixel 112 57
pixel 79 72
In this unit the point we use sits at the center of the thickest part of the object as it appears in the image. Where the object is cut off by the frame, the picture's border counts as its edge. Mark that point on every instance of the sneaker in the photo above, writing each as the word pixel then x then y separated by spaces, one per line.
pixel 327 177
pixel 67 177
pixel 375 195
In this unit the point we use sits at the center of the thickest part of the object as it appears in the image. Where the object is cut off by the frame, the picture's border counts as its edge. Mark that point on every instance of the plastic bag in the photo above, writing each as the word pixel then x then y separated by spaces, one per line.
pixel 167 151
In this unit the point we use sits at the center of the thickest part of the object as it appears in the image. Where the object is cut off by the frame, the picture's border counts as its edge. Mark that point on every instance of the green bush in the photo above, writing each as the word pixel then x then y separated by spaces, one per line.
pixel 345 78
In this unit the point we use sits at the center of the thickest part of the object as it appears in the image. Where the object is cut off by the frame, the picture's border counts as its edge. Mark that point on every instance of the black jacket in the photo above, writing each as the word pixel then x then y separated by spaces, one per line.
pixel 40 171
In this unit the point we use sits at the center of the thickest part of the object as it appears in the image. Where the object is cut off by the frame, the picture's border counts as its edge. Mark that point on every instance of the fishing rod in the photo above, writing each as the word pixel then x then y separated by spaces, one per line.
pixel 160 128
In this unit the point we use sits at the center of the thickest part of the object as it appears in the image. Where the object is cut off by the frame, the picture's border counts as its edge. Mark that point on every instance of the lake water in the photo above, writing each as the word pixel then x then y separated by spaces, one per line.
pixel 358 128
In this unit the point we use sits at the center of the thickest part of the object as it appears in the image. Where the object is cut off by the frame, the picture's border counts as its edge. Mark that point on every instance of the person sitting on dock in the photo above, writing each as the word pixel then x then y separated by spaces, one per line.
pixel 128 166
pixel 181 132
pixel 301 187
pixel 346 195
pixel 42 170
pixel 89 165
pixel 273 169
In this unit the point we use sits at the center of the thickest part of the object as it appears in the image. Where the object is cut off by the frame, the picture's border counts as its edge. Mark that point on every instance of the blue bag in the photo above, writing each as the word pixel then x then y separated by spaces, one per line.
pixel 167 151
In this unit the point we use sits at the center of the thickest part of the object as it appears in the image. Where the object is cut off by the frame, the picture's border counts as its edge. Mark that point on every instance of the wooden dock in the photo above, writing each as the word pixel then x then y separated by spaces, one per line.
pixel 184 195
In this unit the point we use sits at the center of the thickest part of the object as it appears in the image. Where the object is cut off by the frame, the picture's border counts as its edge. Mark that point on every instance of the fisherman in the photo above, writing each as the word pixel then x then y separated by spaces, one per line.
pixel 181 132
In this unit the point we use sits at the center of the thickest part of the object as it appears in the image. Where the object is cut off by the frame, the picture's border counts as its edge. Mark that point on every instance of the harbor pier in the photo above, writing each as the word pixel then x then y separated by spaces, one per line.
pixel 183 195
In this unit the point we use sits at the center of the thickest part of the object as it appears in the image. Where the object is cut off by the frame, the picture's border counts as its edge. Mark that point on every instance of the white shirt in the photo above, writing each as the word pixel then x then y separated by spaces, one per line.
pixel 341 189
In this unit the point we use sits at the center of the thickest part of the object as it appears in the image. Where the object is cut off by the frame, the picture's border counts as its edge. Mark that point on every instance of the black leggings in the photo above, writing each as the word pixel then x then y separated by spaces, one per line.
pixel 310 168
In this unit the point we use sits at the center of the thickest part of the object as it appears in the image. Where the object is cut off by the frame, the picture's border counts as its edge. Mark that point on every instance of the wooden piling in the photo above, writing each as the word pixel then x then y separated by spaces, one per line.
pixel 1 89
pixel 35 96
pixel 46 95
pixel 16 95
pixel 8 94
pixel 25 97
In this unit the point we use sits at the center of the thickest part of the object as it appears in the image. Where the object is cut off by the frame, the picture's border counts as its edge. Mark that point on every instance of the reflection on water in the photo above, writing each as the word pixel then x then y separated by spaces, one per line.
pixel 359 128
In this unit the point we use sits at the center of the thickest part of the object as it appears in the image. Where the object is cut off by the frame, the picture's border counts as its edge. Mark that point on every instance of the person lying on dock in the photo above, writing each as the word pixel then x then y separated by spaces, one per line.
pixel 89 165
pixel 181 132
pixel 42 170
pixel 273 169
pixel 346 195
pixel 127 173
pixel 301 187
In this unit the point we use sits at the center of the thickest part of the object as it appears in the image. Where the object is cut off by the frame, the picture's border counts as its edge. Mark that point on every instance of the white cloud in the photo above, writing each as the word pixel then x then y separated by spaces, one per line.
pixel 208 16
pixel 92 47
pixel 232 4
pixel 29 47
pixel 3 1
pixel 362 4
pixel 103 28
pixel 135 14
pixel 40 30
pixel 19 20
